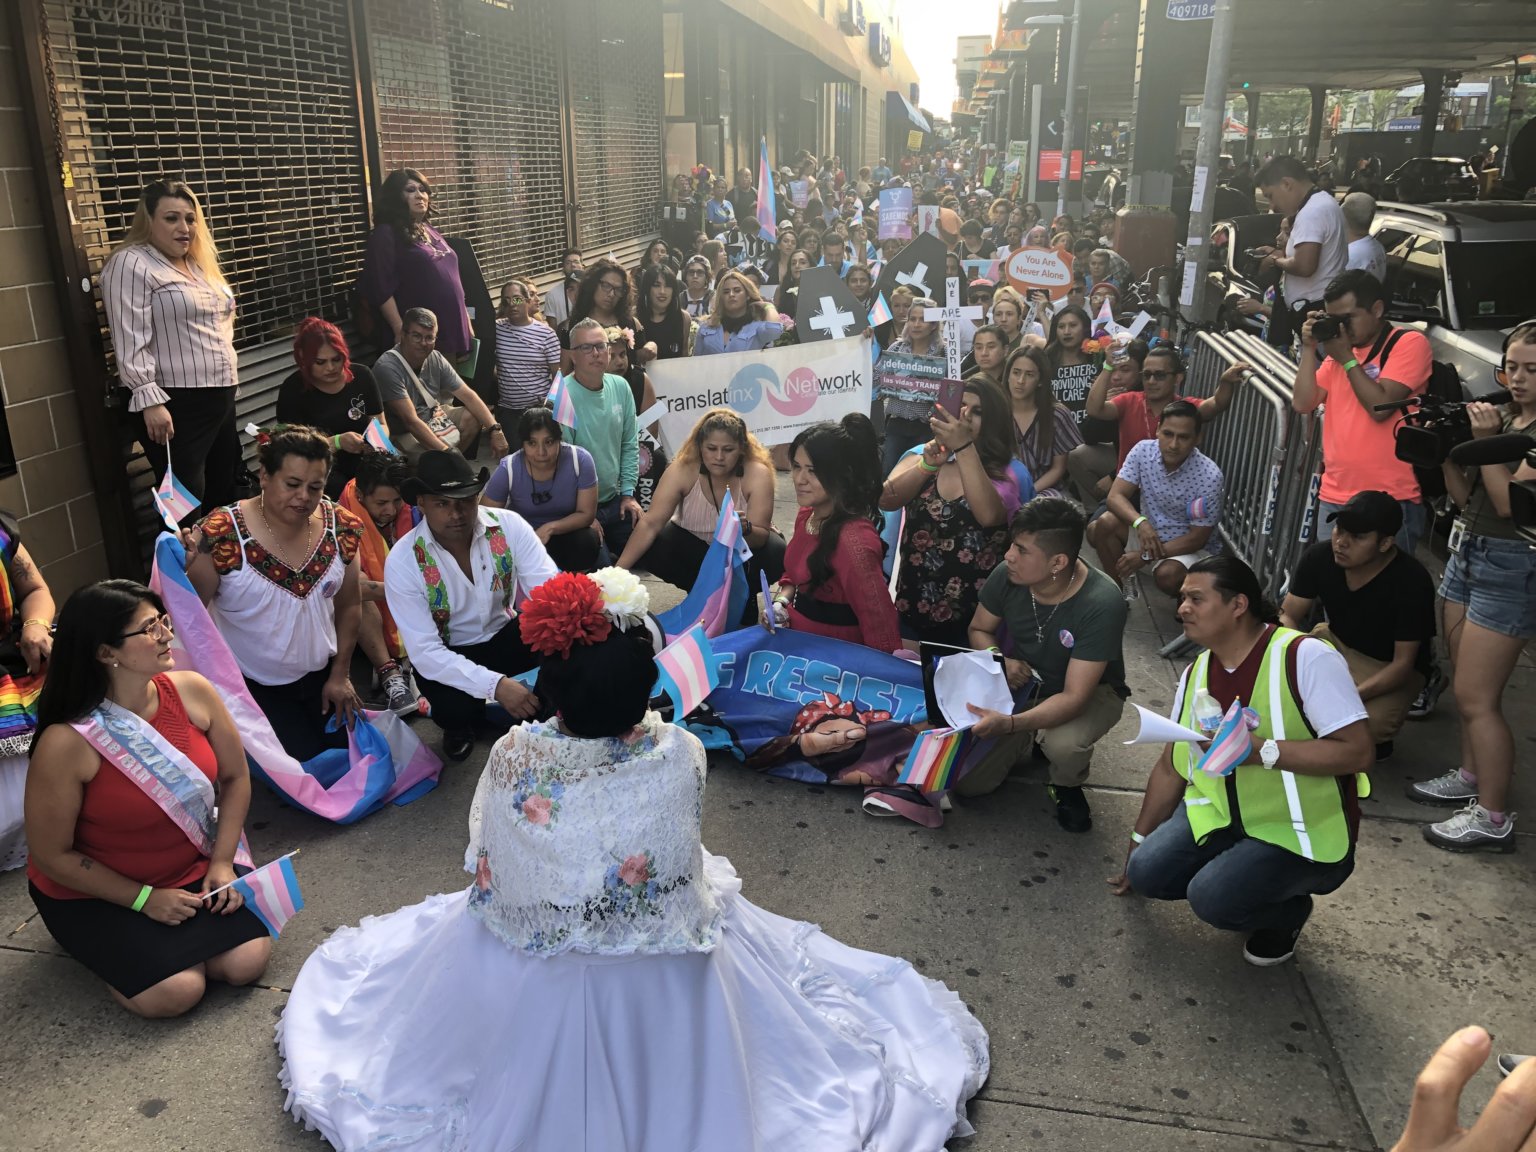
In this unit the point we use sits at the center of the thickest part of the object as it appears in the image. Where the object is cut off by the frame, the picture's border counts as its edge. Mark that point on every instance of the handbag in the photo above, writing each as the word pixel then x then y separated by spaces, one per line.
pixel 442 427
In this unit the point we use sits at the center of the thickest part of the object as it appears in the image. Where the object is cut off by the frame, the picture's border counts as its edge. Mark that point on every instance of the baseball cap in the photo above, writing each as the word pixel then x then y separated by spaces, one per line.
pixel 983 282
pixel 1369 511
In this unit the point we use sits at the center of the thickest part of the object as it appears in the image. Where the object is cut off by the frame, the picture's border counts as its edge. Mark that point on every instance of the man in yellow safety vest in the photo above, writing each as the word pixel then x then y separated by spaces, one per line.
pixel 1250 848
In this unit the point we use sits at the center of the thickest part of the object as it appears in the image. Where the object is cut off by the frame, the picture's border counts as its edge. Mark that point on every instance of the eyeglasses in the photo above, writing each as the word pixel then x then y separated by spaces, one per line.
pixel 589 349
pixel 159 626
pixel 541 497
pixel 1156 376
pixel 610 286
pixel 425 339
pixel 517 300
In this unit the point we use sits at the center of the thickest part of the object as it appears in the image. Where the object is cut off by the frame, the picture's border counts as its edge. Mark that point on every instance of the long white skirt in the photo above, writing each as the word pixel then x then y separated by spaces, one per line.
pixel 13 833
pixel 420 1030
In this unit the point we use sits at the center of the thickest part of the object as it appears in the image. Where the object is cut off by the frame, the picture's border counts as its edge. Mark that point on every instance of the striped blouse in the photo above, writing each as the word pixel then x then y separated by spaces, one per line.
pixel 168 330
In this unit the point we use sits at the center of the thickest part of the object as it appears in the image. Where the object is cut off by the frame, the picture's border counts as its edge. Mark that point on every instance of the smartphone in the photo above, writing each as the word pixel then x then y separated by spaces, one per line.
pixel 951 392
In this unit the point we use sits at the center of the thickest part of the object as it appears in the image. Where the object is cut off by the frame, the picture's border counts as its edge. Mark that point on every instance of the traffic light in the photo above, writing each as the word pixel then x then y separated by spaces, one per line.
pixel 1247 84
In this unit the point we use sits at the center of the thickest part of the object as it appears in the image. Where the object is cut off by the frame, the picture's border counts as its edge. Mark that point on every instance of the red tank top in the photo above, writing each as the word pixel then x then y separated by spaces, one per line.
pixel 124 830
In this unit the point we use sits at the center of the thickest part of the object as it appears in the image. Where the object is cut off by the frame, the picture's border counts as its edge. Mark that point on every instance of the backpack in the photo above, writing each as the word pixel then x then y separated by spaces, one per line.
pixel 1444 384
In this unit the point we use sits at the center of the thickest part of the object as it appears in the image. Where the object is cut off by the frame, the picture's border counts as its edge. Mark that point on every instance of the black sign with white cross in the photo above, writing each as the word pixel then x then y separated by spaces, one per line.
pixel 920 265
pixel 826 309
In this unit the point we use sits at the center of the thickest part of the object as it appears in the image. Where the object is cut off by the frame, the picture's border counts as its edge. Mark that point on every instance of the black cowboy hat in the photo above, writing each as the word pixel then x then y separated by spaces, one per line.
pixel 445 474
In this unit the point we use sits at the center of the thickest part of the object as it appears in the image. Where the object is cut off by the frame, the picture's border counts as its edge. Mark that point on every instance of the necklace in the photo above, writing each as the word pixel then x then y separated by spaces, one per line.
pixel 1034 609
pixel 261 506
pixel 812 527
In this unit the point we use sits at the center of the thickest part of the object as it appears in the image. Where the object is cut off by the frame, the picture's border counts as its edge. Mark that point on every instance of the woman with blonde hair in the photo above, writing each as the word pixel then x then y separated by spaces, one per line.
pixel 171 314
pixel 720 457
pixel 740 320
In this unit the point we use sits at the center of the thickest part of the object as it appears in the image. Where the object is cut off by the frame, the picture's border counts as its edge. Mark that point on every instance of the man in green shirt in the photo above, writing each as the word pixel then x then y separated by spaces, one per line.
pixel 1066 624
pixel 605 427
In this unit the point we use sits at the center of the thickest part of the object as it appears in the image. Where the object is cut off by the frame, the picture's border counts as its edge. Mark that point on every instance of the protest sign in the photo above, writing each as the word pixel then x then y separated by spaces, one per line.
pixel 920 266
pixel 778 391
pixel 903 376
pixel 928 219
pixel 895 214
pixel 827 307
pixel 1048 268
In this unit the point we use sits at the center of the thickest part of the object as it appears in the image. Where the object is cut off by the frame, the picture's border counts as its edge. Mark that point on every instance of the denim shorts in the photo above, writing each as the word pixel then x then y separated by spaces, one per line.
pixel 1496 580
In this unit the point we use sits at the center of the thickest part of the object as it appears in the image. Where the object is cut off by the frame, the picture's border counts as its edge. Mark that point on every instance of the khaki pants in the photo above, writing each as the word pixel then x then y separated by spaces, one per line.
pixel 1069 747
pixel 1385 714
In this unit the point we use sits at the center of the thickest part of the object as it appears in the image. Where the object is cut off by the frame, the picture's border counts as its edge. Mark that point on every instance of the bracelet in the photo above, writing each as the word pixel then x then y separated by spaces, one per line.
pixel 1138 522
pixel 1351 363
pixel 144 893
pixel 927 467
pixel 336 442
pixel 1136 837
pixel 963 447
pixel 48 624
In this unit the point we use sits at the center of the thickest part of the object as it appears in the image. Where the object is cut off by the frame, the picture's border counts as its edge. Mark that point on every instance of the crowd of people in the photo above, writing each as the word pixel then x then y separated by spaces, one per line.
pixel 446 574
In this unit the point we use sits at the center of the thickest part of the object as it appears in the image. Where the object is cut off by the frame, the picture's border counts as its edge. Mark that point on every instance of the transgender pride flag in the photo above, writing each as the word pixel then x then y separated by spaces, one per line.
pixel 728 528
pixel 879 311
pixel 174 502
pixel 688 672
pixel 375 437
pixel 1230 746
pixel 272 892
pixel 767 214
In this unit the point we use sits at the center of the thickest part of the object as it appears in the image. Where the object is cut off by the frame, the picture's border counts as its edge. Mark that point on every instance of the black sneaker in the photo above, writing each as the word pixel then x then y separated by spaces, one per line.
pixel 1509 1061
pixel 458 744
pixel 1424 703
pixel 1383 751
pixel 1271 946
pixel 1071 808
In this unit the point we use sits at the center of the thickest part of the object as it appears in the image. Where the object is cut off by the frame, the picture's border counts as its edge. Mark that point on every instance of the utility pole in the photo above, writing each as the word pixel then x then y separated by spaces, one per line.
pixel 1202 206
pixel 1068 118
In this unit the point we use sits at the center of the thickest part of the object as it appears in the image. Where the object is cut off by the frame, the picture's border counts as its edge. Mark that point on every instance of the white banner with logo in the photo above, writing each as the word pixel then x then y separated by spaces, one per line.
pixel 778 391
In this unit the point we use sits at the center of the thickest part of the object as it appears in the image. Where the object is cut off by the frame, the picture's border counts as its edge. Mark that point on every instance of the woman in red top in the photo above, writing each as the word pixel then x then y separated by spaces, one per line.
pixel 97 839
pixel 833 582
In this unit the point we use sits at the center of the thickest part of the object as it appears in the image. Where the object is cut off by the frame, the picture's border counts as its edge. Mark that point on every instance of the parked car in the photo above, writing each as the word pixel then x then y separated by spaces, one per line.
pixel 1426 179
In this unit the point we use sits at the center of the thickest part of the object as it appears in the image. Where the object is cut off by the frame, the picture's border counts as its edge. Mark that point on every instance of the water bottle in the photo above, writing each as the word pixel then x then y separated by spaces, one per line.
pixel 1207 713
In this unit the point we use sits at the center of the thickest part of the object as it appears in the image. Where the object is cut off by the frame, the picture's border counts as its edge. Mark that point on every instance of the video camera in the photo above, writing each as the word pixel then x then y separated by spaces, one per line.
pixel 1432 427
pixel 1506 449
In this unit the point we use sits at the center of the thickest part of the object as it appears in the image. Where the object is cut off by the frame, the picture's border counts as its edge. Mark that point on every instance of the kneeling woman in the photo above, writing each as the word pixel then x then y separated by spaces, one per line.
pixel 279 576
pixel 136 796
pixel 719 457
pixel 553 486
pixel 833 581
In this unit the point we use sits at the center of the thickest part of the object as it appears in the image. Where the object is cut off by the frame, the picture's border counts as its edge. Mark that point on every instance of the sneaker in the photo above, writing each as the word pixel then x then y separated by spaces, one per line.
pixel 1471 830
pixel 1071 808
pixel 1449 789
pixel 1424 703
pixel 398 696
pixel 1508 1061
pixel 1271 946
pixel 458 744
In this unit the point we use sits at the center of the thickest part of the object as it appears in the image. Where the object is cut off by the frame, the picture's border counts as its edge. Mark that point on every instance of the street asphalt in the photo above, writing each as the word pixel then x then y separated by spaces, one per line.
pixel 1114 1023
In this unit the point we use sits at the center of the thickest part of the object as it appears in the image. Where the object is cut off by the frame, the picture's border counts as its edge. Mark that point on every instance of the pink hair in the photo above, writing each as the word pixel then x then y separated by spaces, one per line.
pixel 313 335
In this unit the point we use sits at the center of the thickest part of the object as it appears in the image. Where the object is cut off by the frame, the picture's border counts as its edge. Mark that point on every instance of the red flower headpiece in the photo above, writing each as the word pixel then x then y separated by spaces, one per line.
pixel 564 611
pixel 832 705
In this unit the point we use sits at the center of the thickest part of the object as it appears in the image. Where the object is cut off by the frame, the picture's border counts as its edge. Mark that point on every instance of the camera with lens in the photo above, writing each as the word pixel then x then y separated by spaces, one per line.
pixel 1327 328
pixel 1431 427
pixel 1509 448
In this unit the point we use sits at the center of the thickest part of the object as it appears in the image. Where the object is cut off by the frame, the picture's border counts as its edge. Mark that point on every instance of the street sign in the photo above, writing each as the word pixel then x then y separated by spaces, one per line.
pixel 1191 9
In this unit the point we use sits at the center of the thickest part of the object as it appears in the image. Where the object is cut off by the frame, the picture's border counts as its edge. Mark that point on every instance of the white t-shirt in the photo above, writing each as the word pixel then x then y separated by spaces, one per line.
pixel 1329 699
pixel 1320 221
pixel 1367 253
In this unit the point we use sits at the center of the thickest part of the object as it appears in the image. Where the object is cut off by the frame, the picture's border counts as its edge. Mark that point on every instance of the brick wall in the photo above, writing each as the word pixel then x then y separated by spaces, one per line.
pixel 51 494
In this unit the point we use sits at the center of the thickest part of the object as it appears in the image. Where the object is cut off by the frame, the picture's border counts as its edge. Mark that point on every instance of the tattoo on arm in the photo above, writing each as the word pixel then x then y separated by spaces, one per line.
pixel 87 863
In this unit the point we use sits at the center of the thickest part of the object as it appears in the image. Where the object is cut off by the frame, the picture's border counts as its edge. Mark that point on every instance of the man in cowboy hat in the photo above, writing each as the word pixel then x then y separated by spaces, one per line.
pixel 451 583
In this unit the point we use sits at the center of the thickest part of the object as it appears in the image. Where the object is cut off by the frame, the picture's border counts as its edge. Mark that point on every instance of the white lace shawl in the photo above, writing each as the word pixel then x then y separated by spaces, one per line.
pixel 592 845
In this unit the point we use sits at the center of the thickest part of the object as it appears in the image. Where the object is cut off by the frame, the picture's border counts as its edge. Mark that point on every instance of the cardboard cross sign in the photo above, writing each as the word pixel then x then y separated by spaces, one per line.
pixel 917 279
pixel 827 309
pixel 919 265
pixel 949 318
pixel 829 319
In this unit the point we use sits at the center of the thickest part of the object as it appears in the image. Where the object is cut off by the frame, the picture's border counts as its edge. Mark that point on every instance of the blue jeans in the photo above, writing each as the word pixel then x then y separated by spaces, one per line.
pixel 1231 881
pixel 616 530
pixel 1415 523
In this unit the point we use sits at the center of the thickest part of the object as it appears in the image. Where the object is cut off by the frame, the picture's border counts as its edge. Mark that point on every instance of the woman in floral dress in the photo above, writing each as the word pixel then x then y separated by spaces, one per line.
pixel 959 497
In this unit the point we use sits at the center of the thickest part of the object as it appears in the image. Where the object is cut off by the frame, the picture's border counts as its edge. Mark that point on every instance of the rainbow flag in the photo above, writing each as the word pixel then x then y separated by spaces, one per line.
pixel 879 311
pixel 376 437
pixel 272 892
pixel 932 760
pixel 172 499
pixel 688 672
pixel 1230 746
pixel 767 214
pixel 560 400
pixel 18 711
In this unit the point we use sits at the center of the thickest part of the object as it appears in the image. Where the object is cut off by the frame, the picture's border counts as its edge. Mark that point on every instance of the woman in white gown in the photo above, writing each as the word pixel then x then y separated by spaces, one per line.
pixel 602 985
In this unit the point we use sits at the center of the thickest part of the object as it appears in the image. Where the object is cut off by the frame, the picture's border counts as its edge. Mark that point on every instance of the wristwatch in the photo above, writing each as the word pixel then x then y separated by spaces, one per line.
pixel 494 428
pixel 1269 753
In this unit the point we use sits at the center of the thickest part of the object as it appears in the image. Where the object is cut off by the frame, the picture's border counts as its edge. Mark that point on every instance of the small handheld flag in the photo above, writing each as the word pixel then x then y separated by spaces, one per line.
pixel 560 400
pixel 376 437
pixel 879 311
pixel 762 579
pixel 1104 322
pixel 688 672
pixel 271 892
pixel 1230 746
pixel 172 499
pixel 931 763
pixel 728 528
pixel 767 214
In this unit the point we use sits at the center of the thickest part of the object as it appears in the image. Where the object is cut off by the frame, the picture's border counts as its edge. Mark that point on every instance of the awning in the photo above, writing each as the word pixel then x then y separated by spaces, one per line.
pixel 799 26
pixel 899 106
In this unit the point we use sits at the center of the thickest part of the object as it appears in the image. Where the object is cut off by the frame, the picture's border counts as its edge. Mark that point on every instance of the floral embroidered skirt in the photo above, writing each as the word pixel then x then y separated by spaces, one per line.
pixel 420 1029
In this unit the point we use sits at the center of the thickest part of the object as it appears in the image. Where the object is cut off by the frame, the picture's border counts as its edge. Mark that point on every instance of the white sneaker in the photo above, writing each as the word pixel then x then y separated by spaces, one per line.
pixel 1509 1061
pixel 1471 830
pixel 399 698
pixel 1448 789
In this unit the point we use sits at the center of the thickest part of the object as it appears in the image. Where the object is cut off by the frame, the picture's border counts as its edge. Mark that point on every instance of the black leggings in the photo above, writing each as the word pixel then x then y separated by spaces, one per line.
pixel 293 710
pixel 205 449
pixel 676 555
pixel 575 551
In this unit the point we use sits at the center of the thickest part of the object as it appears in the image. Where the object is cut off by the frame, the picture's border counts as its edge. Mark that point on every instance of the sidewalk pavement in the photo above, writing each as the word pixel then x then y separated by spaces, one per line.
pixel 1114 1022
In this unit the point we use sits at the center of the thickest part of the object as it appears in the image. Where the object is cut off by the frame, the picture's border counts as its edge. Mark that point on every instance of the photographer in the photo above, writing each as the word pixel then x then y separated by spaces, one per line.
pixel 1368 362
pixel 1489 615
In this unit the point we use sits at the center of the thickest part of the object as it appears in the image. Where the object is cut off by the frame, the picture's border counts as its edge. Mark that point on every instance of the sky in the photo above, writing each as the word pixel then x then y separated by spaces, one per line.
pixel 929 29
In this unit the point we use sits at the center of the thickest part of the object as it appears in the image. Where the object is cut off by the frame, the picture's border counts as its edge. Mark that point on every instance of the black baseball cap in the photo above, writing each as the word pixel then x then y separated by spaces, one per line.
pixel 1369 511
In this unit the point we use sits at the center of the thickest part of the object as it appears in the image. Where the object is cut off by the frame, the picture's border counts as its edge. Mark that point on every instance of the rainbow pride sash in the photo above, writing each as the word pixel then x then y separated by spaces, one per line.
pixel 161 771
pixel 18 694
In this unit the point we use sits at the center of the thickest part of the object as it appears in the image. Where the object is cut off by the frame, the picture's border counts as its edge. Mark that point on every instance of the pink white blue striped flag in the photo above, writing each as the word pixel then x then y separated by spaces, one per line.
pixel 688 672
pixel 879 311
pixel 1104 322
pixel 272 892
pixel 1230 746
pixel 767 213
pixel 1196 508
pixel 174 502
pixel 560 400
pixel 931 764
pixel 728 528
pixel 376 437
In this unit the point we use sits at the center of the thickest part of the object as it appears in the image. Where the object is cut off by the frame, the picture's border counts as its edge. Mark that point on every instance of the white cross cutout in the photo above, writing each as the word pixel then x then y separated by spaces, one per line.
pixel 829 319
pixel 918 279
pixel 949 320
